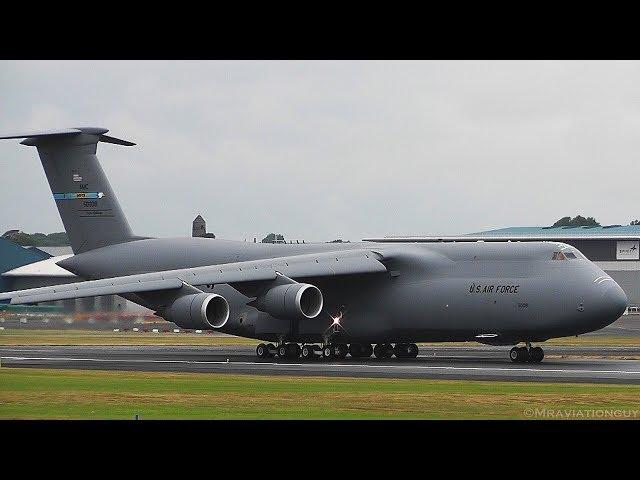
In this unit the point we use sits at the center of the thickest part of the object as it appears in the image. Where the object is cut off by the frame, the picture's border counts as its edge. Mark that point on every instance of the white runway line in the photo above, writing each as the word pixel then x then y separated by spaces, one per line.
pixel 332 365
pixel 26 350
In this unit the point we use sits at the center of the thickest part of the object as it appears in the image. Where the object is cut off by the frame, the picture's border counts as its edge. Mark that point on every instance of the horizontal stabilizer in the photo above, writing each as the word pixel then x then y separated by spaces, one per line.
pixel 66 132
pixel 43 133
pixel 117 141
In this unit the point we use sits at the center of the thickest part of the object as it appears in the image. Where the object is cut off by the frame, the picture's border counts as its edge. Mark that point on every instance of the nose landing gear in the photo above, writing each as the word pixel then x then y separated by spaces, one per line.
pixel 526 354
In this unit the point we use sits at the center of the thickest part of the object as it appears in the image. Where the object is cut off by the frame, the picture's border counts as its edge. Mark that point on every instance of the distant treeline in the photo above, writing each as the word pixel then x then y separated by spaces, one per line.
pixel 580 221
pixel 58 239
pixel 577 221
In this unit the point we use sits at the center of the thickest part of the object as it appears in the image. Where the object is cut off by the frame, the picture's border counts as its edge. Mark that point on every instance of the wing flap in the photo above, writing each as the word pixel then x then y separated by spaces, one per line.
pixel 91 288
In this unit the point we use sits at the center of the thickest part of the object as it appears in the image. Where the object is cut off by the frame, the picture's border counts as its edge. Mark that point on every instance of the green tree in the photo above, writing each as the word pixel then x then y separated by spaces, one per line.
pixel 273 238
pixel 59 239
pixel 577 221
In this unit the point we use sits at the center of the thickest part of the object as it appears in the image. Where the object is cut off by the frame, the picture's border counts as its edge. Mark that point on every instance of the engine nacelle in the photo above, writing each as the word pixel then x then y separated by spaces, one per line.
pixel 198 311
pixel 293 300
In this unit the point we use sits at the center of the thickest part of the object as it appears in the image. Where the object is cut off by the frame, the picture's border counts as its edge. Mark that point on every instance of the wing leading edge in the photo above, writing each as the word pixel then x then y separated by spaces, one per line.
pixel 345 262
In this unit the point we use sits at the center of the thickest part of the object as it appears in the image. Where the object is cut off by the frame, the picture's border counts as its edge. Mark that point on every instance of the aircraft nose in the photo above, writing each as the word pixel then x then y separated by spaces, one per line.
pixel 614 301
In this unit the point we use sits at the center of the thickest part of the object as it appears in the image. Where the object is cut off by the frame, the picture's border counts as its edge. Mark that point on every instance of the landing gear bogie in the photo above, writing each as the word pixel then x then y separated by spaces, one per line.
pixel 336 351
pixel 526 354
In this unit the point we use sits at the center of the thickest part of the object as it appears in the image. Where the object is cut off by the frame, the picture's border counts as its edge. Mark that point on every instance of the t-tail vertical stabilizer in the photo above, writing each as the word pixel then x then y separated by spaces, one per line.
pixel 88 207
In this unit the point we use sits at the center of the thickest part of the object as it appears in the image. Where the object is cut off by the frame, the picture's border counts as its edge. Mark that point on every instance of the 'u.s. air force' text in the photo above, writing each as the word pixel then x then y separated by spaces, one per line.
pixel 479 288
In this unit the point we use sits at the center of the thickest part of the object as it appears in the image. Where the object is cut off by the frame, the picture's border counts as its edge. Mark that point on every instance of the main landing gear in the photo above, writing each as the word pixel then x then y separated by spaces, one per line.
pixel 266 350
pixel 526 354
pixel 337 351
pixel 284 350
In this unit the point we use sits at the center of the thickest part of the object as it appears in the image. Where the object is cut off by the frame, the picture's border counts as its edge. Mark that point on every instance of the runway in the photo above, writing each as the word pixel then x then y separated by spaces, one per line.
pixel 470 363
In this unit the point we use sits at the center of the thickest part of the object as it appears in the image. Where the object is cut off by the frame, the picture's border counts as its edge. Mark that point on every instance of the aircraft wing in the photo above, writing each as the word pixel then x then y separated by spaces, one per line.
pixel 327 264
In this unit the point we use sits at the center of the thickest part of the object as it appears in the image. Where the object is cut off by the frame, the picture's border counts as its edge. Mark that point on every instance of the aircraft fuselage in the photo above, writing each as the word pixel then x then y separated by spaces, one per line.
pixel 498 293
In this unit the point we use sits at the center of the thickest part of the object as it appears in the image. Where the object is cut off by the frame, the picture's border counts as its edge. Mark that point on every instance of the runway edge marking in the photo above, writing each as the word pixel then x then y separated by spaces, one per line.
pixel 338 365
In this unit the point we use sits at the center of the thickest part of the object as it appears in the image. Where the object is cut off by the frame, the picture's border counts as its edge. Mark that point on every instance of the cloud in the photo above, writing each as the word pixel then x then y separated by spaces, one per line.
pixel 321 150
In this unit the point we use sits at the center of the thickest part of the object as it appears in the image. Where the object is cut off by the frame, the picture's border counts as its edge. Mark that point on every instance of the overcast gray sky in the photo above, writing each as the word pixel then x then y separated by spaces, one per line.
pixel 321 150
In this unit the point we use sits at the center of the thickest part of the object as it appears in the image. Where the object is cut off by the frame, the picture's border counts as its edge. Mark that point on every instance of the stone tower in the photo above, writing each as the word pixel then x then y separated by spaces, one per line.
pixel 199 227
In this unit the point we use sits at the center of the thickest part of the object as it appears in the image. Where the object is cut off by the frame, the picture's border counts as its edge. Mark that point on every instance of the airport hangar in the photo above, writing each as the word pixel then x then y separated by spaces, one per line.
pixel 31 267
pixel 614 248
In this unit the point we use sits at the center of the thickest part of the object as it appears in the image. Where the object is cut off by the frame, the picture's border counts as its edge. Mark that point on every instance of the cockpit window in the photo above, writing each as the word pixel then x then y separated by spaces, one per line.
pixel 563 255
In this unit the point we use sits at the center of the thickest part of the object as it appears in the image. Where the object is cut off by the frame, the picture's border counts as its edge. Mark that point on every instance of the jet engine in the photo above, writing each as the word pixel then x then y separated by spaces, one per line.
pixel 198 311
pixel 293 300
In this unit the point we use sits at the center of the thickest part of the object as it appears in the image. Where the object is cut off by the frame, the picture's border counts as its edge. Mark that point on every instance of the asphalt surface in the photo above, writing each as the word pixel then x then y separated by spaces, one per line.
pixel 625 326
pixel 613 364
pixel 470 363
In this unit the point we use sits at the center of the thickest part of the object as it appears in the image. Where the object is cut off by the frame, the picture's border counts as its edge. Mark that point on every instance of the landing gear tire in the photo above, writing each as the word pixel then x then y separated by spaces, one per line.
pixel 513 354
pixel 289 350
pixel 400 350
pixel 367 350
pixel 522 354
pixel 536 355
pixel 412 350
pixel 328 352
pixel 380 351
pixel 308 351
pixel 262 351
pixel 384 350
pixel 295 350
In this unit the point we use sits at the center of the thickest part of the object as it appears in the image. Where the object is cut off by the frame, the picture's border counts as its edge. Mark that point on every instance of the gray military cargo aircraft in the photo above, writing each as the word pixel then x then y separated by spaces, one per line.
pixel 326 299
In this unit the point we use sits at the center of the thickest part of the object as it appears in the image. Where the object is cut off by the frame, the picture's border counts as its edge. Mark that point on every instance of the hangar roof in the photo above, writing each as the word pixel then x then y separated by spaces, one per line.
pixel 43 268
pixel 605 232
pixel 13 255
pixel 53 251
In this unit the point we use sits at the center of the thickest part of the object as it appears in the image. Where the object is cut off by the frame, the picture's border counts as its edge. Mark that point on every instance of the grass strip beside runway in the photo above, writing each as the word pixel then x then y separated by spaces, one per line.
pixel 75 394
